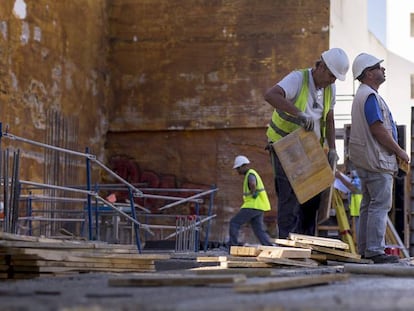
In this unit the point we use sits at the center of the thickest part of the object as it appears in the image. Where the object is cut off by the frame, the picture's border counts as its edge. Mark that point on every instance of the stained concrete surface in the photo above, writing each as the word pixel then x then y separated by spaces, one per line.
pixel 90 291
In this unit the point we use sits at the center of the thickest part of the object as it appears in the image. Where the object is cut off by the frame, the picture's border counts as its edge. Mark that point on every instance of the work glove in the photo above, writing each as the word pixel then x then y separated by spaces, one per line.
pixel 255 194
pixel 332 157
pixel 306 121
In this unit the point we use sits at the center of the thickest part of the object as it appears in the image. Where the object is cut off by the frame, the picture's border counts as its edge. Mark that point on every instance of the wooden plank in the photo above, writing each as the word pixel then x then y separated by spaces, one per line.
pixel 176 280
pixel 83 265
pixel 281 283
pixel 248 272
pixel 245 264
pixel 77 256
pixel 389 270
pixel 40 269
pixel 244 251
pixel 328 250
pixel 342 259
pixel 289 262
pixel 211 258
pixel 305 164
pixel 226 258
pixel 286 242
pixel 283 252
pixel 313 240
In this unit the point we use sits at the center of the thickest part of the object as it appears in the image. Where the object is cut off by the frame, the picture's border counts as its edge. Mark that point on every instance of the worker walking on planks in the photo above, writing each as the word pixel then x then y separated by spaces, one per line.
pixel 304 98
pixel 374 150
pixel 255 203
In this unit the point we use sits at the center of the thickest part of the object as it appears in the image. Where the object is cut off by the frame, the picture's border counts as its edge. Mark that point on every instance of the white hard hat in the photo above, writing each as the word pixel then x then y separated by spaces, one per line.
pixel 240 160
pixel 363 61
pixel 337 62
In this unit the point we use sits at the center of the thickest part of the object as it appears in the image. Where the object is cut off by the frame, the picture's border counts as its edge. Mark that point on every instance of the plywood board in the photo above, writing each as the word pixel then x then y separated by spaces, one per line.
pixel 305 164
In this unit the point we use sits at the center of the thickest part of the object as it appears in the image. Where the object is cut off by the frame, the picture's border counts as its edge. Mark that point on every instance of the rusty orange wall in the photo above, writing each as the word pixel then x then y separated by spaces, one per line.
pixel 178 85
pixel 53 70
pixel 188 79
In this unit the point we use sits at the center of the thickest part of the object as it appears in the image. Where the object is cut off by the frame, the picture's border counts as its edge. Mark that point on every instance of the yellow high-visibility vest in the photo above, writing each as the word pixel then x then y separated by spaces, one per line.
pixel 283 123
pixel 261 202
pixel 355 204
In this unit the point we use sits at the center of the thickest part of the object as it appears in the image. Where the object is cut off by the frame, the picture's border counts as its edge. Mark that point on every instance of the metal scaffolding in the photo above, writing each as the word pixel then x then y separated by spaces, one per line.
pixel 94 205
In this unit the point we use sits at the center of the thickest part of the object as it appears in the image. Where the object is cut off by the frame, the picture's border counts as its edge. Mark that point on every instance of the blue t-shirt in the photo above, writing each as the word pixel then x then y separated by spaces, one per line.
pixel 373 114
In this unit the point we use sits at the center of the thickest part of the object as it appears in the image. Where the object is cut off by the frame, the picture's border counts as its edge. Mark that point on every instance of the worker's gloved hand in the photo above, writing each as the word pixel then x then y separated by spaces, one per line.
pixel 306 121
pixel 332 157
pixel 255 194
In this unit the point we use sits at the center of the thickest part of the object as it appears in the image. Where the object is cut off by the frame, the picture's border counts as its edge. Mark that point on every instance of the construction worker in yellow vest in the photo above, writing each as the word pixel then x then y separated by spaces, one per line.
pixel 304 98
pixel 255 203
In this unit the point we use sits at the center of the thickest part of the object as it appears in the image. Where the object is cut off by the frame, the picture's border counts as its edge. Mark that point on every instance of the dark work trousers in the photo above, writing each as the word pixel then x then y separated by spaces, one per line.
pixel 255 218
pixel 291 215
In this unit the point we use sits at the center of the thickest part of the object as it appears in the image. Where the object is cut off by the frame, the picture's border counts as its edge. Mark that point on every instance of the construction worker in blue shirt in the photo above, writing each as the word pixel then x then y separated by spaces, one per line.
pixel 304 98
pixel 255 203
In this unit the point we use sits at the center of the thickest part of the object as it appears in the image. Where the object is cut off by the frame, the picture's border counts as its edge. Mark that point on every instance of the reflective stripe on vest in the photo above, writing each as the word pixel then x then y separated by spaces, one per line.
pixel 283 123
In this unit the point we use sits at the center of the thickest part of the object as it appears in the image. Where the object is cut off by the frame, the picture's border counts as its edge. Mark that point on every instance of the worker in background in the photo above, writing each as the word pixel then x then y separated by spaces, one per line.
pixel 255 203
pixel 304 98
pixel 353 185
pixel 374 150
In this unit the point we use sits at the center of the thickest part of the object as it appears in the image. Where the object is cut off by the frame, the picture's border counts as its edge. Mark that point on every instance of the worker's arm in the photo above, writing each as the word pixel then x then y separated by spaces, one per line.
pixel 345 181
pixel 276 97
pixel 252 185
pixel 381 134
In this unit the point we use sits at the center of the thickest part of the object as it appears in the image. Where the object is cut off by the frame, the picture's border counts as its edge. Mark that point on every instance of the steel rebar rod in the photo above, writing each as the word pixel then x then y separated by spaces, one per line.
pixel 187 199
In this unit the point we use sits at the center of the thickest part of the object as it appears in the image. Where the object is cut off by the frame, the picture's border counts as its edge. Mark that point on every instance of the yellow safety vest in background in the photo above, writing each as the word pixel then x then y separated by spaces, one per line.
pixel 355 204
pixel 283 123
pixel 262 201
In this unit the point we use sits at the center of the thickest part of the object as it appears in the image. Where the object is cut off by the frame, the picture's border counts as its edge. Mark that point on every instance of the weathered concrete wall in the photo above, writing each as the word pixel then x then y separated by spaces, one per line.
pixel 205 64
pixel 178 84
pixel 188 80
pixel 54 83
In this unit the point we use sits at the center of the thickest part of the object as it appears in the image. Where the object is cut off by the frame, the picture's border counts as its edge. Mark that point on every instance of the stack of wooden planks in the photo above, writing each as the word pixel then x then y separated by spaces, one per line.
pixel 263 257
pixel 252 269
pixel 28 257
pixel 299 250
pixel 323 249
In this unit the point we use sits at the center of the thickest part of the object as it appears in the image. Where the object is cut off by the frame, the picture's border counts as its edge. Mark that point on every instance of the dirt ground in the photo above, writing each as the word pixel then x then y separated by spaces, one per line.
pixel 91 291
